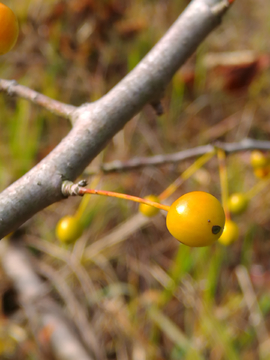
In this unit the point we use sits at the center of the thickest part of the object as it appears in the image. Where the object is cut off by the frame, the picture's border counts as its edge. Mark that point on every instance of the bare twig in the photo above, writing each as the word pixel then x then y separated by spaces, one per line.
pixel 56 107
pixel 159 160
pixel 156 160
pixel 246 144
pixel 98 122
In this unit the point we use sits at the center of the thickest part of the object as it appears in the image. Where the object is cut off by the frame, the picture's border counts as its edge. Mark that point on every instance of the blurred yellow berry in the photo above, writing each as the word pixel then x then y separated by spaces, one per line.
pixel 148 210
pixel 68 229
pixel 238 203
pixel 196 219
pixel 261 172
pixel 9 29
pixel 258 159
pixel 230 233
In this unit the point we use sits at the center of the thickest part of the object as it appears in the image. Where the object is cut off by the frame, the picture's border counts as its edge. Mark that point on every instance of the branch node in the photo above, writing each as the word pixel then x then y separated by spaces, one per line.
pixel 157 106
pixel 221 7
pixel 10 89
pixel 71 189
pixel 82 183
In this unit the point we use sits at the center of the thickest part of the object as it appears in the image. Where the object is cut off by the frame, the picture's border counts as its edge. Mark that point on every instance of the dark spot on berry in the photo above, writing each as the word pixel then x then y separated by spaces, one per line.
pixel 216 229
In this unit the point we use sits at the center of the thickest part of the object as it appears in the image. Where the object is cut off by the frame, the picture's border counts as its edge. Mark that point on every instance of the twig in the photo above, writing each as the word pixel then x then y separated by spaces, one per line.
pixel 98 122
pixel 56 107
pixel 159 160
pixel 245 144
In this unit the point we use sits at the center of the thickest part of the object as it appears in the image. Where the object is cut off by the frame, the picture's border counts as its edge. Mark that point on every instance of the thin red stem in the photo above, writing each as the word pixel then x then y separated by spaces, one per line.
pixel 83 191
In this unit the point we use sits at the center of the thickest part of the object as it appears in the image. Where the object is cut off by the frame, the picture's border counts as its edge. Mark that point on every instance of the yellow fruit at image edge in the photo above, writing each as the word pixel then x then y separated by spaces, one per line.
pixel 148 210
pixel 196 219
pixel 238 203
pixel 68 229
pixel 9 29
pixel 230 233
pixel 261 172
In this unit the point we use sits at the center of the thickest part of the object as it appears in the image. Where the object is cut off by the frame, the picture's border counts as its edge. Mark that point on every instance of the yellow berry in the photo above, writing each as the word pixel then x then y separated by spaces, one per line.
pixel 148 210
pixel 258 159
pixel 230 233
pixel 68 229
pixel 9 29
pixel 196 219
pixel 238 203
pixel 261 172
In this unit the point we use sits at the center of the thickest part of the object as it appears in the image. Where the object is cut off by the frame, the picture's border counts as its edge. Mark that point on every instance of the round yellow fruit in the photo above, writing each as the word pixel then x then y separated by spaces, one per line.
pixel 9 29
pixel 230 233
pixel 196 219
pixel 68 229
pixel 261 172
pixel 258 159
pixel 148 210
pixel 238 203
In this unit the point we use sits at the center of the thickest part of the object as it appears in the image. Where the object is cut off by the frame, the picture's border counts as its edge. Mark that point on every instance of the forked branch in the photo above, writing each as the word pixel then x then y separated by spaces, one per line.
pixel 98 122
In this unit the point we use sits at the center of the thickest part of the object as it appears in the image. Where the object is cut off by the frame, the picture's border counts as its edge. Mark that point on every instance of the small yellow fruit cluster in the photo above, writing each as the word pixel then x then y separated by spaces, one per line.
pixel 195 219
pixel 260 163
pixel 237 204
pixel 9 29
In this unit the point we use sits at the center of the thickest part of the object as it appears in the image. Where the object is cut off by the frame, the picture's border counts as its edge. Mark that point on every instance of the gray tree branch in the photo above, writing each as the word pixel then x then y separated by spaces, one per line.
pixel 56 107
pixel 158 160
pixel 98 122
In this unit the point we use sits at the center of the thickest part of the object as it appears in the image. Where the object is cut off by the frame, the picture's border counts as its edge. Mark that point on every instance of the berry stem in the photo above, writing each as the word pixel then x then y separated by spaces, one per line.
pixel 85 200
pixel 83 191
pixel 223 181
pixel 186 174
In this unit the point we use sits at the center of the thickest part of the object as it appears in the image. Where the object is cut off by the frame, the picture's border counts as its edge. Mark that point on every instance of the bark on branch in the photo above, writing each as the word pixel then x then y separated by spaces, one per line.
pixel 98 122
pixel 13 88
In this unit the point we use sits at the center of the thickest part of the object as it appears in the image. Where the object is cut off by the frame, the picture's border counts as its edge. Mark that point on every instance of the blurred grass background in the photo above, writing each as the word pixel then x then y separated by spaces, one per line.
pixel 152 298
